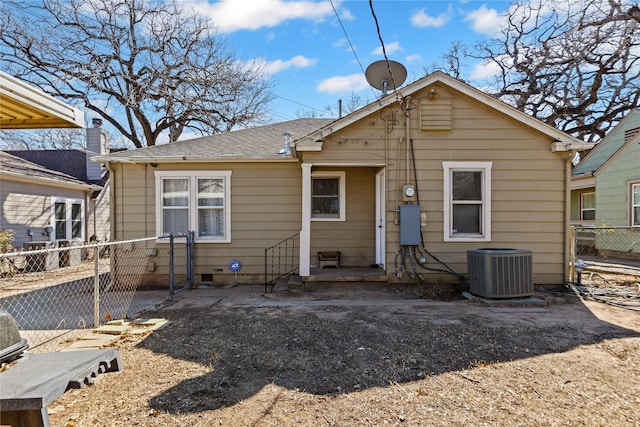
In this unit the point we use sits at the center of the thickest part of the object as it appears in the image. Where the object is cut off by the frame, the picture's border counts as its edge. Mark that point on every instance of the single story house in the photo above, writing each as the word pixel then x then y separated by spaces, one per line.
pixel 76 163
pixel 605 185
pixel 408 184
pixel 41 205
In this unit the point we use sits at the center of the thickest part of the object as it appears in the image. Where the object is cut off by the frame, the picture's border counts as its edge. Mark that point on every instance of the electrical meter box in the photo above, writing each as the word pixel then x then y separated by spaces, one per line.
pixel 410 225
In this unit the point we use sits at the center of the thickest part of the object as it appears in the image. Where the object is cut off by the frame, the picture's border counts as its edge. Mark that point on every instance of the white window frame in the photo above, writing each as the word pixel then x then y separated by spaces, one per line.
pixel 69 202
pixel 193 177
pixel 485 211
pixel 582 209
pixel 341 176
pixel 633 205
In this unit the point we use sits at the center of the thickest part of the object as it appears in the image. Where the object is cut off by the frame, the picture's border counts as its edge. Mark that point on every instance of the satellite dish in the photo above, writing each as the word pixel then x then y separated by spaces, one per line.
pixel 384 75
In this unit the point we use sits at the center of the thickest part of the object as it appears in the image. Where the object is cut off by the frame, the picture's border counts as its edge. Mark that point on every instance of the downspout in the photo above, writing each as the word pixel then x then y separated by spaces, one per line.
pixel 567 218
pixel 305 232
pixel 112 201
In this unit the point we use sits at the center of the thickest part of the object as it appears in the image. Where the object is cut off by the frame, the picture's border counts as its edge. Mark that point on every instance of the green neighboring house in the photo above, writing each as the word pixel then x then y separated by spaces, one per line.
pixel 605 185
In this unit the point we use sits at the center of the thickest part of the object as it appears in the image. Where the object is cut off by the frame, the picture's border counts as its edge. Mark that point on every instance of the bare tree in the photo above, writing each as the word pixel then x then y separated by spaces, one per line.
pixel 573 64
pixel 56 139
pixel 145 66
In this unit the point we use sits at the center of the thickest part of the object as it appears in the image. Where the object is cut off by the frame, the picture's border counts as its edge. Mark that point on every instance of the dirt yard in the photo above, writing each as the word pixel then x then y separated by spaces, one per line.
pixel 357 357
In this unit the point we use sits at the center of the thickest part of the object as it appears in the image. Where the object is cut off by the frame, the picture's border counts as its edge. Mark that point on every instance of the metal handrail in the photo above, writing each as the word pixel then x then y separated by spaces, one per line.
pixel 280 260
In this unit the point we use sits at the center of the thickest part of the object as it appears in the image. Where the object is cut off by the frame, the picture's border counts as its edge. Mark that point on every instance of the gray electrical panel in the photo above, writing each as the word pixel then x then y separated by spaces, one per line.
pixel 410 225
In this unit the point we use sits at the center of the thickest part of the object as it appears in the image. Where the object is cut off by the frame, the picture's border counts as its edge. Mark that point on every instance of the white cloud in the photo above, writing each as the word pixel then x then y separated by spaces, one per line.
pixel 230 15
pixel 416 57
pixel 339 43
pixel 273 67
pixel 389 48
pixel 487 69
pixel 484 70
pixel 297 61
pixel 485 20
pixel 343 84
pixel 345 14
pixel 421 19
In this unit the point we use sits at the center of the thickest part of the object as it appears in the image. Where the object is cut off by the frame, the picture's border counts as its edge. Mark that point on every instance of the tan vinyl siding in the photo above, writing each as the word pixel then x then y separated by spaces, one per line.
pixel 528 181
pixel 355 237
pixel 265 206
pixel 528 208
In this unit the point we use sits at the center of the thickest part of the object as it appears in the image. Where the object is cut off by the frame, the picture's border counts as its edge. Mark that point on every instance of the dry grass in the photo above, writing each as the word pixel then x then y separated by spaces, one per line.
pixel 459 363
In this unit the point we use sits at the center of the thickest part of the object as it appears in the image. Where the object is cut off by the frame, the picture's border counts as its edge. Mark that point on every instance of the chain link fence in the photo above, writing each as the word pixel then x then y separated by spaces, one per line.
pixel 605 265
pixel 56 292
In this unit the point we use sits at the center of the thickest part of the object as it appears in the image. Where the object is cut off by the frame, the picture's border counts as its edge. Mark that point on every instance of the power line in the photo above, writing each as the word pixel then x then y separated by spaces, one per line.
pixel 350 44
pixel 384 51
pixel 299 103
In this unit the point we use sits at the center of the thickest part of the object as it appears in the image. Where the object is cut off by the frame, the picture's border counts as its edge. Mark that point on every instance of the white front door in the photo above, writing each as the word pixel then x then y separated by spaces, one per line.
pixel 380 225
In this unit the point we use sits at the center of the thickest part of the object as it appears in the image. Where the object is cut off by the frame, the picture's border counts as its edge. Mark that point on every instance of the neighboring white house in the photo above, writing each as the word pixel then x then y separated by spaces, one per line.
pixel 41 196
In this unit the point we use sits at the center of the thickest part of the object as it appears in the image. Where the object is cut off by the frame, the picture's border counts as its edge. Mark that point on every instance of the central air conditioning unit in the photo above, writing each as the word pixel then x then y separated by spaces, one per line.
pixel 500 273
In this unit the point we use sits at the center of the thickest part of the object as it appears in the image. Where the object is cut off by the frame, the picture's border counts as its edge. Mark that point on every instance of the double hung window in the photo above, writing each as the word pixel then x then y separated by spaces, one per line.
pixel 588 206
pixel 467 201
pixel 68 218
pixel 198 201
pixel 328 196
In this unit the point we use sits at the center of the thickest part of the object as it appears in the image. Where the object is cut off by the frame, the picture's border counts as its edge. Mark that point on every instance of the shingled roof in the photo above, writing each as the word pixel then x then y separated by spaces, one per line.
pixel 18 167
pixel 261 143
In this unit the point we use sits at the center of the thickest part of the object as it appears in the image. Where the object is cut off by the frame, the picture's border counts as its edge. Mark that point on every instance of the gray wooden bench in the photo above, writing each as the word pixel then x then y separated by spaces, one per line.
pixel 36 380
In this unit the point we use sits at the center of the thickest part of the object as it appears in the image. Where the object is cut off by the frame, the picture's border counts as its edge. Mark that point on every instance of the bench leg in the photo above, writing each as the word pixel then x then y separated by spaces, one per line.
pixel 26 418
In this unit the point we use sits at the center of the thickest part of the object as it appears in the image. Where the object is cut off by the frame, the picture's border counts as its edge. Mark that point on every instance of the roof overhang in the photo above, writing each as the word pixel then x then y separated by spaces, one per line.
pixel 25 107
pixel 586 180
pixel 49 181
pixel 193 159
pixel 571 146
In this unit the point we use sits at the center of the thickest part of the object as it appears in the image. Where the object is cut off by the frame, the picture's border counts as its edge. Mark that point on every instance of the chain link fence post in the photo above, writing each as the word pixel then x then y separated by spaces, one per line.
pixel 96 287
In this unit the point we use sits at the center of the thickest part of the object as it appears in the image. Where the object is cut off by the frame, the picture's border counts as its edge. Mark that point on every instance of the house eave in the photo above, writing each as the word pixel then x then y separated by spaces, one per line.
pixel 315 145
pixel 571 146
pixel 195 159
pixel 25 107
pixel 49 181
pixel 586 180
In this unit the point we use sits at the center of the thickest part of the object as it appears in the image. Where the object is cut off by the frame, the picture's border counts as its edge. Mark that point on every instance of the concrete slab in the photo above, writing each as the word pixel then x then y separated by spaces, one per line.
pixel 93 340
pixel 531 301
pixel 113 329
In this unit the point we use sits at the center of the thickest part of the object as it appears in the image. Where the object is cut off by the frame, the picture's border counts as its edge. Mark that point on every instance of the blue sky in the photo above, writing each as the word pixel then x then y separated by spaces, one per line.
pixel 303 46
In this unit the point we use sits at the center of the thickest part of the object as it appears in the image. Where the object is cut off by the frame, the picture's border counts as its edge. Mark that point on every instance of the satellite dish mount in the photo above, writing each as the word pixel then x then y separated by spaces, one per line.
pixel 386 74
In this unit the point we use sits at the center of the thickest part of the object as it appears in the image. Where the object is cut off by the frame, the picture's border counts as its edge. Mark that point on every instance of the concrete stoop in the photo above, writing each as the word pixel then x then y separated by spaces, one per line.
pixel 295 284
